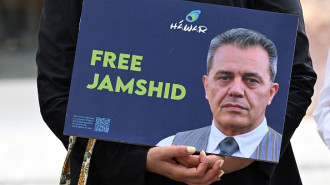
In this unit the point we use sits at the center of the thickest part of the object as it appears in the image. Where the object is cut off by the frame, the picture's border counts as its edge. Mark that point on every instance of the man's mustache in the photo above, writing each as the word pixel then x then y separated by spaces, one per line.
pixel 235 103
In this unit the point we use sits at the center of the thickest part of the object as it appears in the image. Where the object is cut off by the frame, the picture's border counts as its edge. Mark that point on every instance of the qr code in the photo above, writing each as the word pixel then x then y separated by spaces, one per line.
pixel 102 125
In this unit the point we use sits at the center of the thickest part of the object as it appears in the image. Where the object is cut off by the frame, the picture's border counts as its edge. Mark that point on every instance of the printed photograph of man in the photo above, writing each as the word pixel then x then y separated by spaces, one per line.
pixel 239 85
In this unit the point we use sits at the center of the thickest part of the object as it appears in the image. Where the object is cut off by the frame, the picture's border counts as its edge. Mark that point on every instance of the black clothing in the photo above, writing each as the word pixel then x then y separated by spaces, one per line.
pixel 122 164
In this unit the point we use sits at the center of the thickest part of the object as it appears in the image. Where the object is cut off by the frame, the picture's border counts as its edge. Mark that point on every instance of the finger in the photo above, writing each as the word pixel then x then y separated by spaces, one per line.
pixel 213 158
pixel 192 175
pixel 163 156
pixel 188 161
pixel 160 161
pixel 218 172
pixel 166 152
pixel 183 174
pixel 220 175
pixel 182 161
pixel 177 151
pixel 209 177
pixel 213 174
pixel 202 166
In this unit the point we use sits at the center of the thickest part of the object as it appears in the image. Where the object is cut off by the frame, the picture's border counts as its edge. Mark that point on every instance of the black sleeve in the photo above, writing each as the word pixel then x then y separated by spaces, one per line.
pixel 56 50
pixel 59 25
pixel 303 76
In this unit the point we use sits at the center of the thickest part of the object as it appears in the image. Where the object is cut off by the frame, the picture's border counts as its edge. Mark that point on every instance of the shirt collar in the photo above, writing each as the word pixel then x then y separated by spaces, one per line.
pixel 247 142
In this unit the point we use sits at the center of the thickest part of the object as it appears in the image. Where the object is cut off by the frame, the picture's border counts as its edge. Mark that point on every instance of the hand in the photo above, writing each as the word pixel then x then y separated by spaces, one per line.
pixel 193 160
pixel 231 163
pixel 160 160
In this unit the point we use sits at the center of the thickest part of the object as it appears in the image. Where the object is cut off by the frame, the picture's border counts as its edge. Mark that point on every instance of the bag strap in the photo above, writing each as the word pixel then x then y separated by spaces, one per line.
pixel 66 174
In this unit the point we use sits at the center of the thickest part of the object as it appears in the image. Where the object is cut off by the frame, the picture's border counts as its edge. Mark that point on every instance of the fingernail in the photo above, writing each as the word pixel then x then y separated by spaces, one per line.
pixel 221 163
pixel 203 152
pixel 191 149
pixel 221 174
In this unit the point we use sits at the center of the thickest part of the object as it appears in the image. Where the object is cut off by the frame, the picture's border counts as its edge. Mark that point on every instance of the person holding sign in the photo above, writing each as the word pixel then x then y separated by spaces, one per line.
pixel 239 85
pixel 124 164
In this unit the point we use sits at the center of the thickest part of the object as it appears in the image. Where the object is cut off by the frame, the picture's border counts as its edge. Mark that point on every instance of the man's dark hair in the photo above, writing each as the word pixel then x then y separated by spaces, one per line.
pixel 244 38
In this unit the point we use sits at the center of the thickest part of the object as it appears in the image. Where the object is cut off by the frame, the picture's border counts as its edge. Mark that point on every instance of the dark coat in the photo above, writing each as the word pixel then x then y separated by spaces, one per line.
pixel 122 164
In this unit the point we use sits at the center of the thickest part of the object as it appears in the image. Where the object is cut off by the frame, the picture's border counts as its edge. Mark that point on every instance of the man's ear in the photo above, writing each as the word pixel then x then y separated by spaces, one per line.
pixel 273 90
pixel 205 85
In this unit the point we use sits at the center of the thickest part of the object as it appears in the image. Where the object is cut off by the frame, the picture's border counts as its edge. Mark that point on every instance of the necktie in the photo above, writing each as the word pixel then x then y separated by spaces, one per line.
pixel 228 146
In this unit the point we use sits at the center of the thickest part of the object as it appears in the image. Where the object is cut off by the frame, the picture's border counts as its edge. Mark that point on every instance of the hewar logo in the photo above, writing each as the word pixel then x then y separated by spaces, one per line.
pixel 193 16
pixel 190 17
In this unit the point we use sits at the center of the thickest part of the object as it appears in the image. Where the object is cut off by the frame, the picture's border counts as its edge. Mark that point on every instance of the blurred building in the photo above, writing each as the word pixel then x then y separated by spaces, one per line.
pixel 19 21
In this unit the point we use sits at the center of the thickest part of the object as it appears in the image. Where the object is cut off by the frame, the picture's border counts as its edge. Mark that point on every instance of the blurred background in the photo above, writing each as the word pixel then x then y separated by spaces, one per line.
pixel 30 153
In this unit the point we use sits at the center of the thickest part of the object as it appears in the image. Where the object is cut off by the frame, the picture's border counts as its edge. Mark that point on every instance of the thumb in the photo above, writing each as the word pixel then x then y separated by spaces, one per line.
pixel 177 151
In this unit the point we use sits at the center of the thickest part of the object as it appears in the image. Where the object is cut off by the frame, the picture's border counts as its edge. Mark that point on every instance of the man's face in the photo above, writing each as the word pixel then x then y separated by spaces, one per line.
pixel 239 88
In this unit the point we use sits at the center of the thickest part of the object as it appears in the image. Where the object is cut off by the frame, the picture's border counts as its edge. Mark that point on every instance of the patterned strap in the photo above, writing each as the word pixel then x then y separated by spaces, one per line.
pixel 86 162
pixel 65 174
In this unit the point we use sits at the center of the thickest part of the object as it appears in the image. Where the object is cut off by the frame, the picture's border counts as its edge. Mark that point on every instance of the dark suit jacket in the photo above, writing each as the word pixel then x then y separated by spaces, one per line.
pixel 121 164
